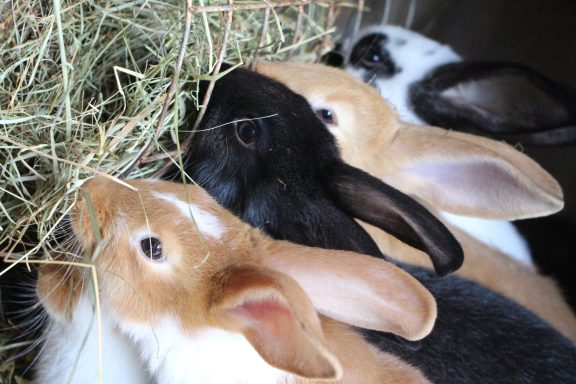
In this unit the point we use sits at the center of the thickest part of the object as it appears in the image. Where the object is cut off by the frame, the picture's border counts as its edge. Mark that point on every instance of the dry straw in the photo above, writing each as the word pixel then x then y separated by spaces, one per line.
pixel 101 87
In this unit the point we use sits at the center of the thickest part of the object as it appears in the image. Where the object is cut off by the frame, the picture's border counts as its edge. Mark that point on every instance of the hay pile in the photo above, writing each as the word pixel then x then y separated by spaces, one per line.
pixel 83 84
pixel 83 90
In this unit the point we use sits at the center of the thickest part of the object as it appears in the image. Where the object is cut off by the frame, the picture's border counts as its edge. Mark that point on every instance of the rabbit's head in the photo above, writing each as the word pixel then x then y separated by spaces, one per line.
pixel 391 59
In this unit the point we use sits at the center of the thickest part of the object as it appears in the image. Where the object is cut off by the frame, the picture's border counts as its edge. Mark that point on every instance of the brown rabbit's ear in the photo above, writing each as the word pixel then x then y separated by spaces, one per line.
pixel 277 318
pixel 58 288
pixel 360 290
pixel 470 175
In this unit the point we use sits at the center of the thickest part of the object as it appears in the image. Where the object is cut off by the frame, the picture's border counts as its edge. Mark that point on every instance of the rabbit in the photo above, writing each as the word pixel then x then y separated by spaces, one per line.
pixel 261 152
pixel 202 297
pixel 430 83
pixel 450 171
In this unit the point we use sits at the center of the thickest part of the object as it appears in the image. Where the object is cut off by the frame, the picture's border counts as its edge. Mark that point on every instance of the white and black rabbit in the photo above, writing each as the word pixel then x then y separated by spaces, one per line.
pixel 429 82
pixel 283 174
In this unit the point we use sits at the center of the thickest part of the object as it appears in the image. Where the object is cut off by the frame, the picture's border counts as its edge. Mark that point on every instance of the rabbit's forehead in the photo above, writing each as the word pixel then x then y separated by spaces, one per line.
pixel 206 222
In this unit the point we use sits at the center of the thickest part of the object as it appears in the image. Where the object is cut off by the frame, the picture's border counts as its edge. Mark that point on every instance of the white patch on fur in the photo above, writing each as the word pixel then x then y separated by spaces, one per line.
pixel 210 356
pixel 415 58
pixel 501 235
pixel 70 351
pixel 206 222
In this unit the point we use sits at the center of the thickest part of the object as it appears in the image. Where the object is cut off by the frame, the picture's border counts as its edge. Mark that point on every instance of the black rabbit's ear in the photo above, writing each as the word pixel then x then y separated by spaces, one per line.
pixel 500 100
pixel 376 203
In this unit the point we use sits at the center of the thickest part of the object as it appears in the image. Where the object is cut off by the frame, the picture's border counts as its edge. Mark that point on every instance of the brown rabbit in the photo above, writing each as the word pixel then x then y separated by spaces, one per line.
pixel 455 172
pixel 206 298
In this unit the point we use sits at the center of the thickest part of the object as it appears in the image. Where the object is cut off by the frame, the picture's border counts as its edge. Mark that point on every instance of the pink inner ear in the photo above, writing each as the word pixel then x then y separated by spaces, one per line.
pixel 479 188
pixel 268 314
pixel 278 320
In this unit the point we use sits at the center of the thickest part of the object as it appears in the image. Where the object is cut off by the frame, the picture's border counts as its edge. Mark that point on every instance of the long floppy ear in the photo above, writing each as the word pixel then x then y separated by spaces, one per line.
pixel 277 318
pixel 501 100
pixel 356 289
pixel 370 200
pixel 470 175
pixel 58 287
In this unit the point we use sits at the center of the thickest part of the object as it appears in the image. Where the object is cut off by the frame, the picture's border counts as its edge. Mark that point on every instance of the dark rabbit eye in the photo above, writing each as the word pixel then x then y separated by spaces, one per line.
pixel 152 248
pixel 367 52
pixel 371 59
pixel 327 116
pixel 370 53
pixel 247 133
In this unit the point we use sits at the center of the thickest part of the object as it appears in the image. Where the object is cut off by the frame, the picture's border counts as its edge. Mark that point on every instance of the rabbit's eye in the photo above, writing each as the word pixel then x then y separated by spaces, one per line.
pixel 152 248
pixel 327 116
pixel 247 133
pixel 371 59
pixel 371 54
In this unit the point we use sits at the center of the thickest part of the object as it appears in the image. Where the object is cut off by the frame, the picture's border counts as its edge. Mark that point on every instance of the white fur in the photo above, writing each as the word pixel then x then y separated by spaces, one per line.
pixel 416 58
pixel 70 351
pixel 206 222
pixel 501 235
pixel 210 356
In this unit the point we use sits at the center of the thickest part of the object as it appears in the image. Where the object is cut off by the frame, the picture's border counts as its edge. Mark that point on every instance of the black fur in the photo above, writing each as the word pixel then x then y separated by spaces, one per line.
pixel 552 244
pixel 482 338
pixel 517 103
pixel 295 187
pixel 376 203
pixel 334 58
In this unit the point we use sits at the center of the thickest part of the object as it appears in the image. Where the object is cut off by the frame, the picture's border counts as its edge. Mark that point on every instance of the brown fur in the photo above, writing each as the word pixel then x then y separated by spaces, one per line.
pixel 59 288
pixel 358 364
pixel 372 138
pixel 224 283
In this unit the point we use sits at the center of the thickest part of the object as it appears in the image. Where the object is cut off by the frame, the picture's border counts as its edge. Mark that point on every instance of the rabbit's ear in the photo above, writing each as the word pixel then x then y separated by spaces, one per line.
pixel 470 175
pixel 274 314
pixel 500 100
pixel 356 289
pixel 372 201
pixel 58 288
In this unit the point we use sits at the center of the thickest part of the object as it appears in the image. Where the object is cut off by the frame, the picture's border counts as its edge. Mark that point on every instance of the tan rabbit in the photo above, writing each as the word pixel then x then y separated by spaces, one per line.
pixel 450 171
pixel 210 299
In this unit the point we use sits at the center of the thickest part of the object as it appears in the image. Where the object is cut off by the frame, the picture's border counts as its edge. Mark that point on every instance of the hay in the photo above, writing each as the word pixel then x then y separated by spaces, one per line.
pixel 83 85
pixel 96 87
